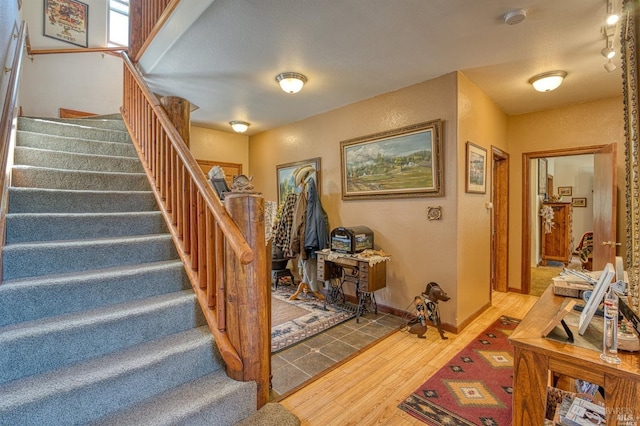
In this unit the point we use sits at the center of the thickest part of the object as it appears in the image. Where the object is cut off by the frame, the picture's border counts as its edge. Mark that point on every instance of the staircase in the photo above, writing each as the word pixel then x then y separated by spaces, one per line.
pixel 98 322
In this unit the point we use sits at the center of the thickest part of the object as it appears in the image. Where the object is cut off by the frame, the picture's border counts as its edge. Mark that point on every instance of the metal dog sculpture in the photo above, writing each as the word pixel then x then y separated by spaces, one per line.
pixel 426 306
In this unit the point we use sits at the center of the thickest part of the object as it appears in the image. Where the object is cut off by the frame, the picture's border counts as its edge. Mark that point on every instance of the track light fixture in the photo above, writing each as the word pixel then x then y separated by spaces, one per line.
pixel 608 51
pixel 609 66
pixel 612 16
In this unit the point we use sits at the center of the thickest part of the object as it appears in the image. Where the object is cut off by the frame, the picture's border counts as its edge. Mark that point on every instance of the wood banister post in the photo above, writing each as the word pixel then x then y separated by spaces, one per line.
pixel 136 29
pixel 248 295
pixel 179 110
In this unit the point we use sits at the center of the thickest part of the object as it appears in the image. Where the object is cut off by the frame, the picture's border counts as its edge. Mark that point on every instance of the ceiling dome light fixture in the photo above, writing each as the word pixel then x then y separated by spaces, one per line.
pixel 291 82
pixel 548 81
pixel 239 126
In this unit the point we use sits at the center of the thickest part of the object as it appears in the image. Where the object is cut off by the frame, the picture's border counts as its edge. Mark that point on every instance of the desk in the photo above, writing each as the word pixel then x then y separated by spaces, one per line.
pixel 536 359
pixel 360 271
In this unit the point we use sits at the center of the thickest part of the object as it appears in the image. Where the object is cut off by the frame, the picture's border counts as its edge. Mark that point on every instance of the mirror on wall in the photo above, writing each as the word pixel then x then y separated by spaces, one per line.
pixel 628 36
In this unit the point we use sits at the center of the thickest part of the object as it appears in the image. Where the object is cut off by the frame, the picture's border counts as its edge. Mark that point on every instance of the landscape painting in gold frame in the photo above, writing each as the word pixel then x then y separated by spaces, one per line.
pixel 400 163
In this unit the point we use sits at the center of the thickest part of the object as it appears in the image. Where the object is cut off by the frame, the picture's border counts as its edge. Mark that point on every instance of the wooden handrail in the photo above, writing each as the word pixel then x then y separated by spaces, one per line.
pixel 228 277
pixel 7 129
pixel 31 51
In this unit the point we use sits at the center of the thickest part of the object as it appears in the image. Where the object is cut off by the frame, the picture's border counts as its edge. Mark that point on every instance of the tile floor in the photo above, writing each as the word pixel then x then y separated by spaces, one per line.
pixel 300 362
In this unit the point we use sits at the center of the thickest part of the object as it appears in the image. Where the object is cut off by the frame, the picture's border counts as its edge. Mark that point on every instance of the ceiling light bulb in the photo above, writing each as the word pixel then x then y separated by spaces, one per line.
pixel 239 126
pixel 548 81
pixel 291 82
pixel 612 16
pixel 608 52
pixel 609 66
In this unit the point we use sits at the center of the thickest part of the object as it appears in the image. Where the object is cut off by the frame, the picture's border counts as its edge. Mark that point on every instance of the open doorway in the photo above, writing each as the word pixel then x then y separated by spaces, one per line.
pixel 579 186
pixel 569 199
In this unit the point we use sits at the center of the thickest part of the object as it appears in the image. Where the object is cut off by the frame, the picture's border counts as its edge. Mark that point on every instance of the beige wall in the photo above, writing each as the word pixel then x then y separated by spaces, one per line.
pixel 588 124
pixel 89 82
pixel 479 121
pixel 214 145
pixel 421 250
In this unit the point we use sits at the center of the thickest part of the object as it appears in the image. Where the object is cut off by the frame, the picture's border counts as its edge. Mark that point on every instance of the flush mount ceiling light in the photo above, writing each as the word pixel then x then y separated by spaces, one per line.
pixel 548 81
pixel 239 126
pixel 291 82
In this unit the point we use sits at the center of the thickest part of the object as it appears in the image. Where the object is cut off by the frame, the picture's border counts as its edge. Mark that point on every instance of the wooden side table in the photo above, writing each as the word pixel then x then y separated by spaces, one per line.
pixel 538 359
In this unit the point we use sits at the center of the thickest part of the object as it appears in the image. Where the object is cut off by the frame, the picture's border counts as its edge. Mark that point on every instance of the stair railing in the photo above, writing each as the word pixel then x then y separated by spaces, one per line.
pixel 8 123
pixel 214 242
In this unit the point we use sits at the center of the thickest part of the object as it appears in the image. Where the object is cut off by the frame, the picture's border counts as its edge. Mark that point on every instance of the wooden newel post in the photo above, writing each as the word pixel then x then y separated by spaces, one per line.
pixel 179 112
pixel 248 294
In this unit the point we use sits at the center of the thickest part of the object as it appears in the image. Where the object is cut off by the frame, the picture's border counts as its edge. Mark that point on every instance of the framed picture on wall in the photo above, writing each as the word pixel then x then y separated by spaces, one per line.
pixel 579 202
pixel 542 176
pixel 476 169
pixel 565 191
pixel 67 20
pixel 286 179
pixel 399 163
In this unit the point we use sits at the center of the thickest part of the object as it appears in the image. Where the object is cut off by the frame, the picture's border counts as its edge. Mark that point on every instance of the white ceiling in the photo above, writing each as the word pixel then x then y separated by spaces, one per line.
pixel 226 61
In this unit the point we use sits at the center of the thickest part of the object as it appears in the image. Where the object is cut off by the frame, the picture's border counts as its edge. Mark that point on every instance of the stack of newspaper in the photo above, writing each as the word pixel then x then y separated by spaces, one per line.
pixel 577 411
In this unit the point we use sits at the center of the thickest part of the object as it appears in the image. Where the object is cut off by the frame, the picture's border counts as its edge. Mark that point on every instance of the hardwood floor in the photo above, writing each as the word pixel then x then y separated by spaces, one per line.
pixel 367 389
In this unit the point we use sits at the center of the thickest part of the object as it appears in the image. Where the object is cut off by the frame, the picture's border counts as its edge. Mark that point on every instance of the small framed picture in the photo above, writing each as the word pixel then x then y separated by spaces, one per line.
pixel 565 191
pixel 579 202
pixel 476 169
pixel 67 20
pixel 542 176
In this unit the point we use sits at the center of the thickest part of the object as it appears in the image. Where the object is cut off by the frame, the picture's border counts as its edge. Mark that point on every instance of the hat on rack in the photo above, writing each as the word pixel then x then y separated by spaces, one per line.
pixel 300 174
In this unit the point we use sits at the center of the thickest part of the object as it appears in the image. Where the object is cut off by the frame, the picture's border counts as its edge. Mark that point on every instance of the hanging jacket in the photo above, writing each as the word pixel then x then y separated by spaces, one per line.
pixel 316 235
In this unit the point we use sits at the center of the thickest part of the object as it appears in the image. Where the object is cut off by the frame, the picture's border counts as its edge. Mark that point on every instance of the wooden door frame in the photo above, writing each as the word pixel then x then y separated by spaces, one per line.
pixel 500 201
pixel 525 273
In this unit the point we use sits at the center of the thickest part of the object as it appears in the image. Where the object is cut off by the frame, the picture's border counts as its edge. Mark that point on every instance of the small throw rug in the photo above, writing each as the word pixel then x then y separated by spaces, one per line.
pixel 308 317
pixel 475 387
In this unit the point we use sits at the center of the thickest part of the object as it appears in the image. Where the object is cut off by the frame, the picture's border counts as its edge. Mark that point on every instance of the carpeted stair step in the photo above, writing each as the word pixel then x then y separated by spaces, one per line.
pixel 210 400
pixel 45 158
pixel 30 227
pixel 37 346
pixel 41 177
pixel 60 257
pixel 29 299
pixel 61 143
pixel 43 200
pixel 83 392
pixel 100 122
pixel 71 130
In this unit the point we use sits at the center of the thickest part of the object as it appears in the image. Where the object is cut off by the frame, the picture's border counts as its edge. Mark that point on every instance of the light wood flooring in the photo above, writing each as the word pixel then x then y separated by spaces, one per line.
pixel 367 389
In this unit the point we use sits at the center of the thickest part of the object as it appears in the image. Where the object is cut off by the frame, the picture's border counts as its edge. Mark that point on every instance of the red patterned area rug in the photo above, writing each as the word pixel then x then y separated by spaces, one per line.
pixel 475 387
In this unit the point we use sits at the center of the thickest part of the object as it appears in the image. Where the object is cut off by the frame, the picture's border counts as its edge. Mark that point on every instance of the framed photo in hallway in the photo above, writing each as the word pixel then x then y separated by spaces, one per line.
pixel 398 163
pixel 67 20
pixel 565 190
pixel 579 202
pixel 542 176
pixel 476 176
pixel 286 179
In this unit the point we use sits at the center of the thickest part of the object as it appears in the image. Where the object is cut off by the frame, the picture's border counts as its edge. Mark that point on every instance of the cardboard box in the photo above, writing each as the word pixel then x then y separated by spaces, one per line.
pixel 565 288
